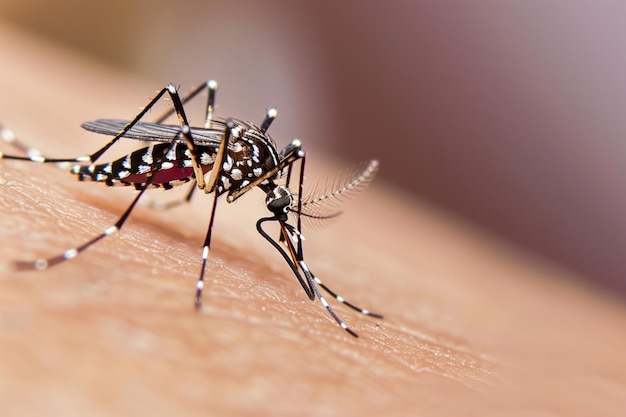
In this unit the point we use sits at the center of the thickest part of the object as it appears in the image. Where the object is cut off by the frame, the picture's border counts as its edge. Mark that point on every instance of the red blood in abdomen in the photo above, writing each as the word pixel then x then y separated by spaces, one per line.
pixel 164 175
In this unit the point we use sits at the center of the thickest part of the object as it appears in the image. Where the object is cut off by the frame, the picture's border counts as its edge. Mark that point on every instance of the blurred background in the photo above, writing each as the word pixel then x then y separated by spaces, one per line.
pixel 507 113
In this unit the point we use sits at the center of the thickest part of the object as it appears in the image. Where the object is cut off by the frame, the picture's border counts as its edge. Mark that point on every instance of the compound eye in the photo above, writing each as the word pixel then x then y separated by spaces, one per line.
pixel 279 200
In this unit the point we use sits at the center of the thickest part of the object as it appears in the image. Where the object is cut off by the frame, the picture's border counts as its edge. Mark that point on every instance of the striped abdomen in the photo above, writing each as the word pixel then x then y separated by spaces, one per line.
pixel 174 169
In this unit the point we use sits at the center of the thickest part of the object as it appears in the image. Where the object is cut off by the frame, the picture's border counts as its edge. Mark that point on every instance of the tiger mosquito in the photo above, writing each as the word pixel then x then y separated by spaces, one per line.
pixel 226 156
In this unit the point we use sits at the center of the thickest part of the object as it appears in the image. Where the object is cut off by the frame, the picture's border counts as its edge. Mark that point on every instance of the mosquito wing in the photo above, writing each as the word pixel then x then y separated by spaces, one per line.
pixel 156 132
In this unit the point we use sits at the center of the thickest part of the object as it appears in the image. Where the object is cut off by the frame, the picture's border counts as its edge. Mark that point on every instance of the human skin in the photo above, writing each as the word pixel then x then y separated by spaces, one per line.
pixel 472 326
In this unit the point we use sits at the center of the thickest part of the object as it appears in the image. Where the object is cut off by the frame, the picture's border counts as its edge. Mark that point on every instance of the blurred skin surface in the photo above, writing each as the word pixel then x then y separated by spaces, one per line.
pixel 472 326
pixel 507 113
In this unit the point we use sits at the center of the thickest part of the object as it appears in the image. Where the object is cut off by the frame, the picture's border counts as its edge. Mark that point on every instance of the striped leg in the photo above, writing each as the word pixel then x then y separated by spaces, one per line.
pixel 44 263
pixel 296 262
pixel 205 255
pixel 8 136
pixel 211 86
pixel 293 240
pixel 334 315
pixel 292 237
pixel 344 301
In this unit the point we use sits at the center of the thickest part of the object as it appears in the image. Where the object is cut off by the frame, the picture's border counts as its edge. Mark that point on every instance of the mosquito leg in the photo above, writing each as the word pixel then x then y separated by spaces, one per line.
pixel 218 163
pixel 32 154
pixel 211 86
pixel 210 105
pixel 36 157
pixel 270 115
pixel 298 237
pixel 193 150
pixel 293 236
pixel 299 206
pixel 343 301
pixel 287 257
pixel 295 239
pixel 205 256
pixel 44 263
pixel 334 315
pixel 7 135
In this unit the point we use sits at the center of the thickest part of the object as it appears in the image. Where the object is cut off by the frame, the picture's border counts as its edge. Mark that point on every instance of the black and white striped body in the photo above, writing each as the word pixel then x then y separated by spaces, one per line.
pixel 133 169
pixel 249 154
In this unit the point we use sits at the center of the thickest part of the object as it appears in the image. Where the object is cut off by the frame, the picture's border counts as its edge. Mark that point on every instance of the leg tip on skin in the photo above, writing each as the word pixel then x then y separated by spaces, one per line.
pixel 352 332
pixel 39 264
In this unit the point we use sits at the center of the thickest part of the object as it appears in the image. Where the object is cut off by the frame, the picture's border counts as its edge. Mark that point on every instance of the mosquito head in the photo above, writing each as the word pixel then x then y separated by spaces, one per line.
pixel 279 200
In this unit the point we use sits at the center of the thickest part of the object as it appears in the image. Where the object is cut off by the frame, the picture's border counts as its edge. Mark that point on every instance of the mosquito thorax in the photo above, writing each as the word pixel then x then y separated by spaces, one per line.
pixel 279 200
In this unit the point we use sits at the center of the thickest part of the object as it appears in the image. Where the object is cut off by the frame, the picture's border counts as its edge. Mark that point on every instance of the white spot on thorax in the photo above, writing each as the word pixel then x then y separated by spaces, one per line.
pixel 255 153
pixel 206 159
pixel 226 183
pixel 236 174
pixel 237 147
pixel 228 164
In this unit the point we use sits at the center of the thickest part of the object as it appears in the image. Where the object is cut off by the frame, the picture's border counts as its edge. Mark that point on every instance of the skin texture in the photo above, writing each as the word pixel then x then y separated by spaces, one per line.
pixel 472 326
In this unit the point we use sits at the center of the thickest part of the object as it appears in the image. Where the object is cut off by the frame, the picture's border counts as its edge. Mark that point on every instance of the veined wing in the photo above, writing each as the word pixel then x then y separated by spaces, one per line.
pixel 156 132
